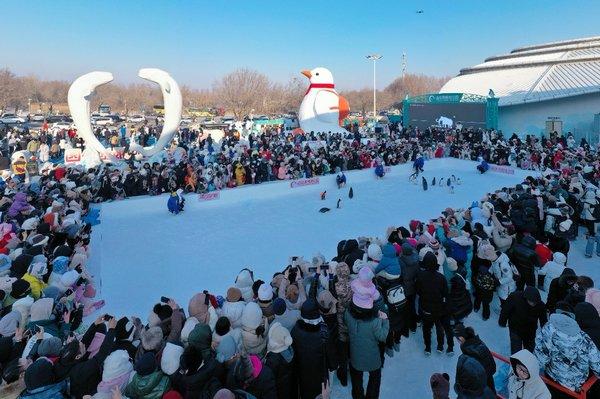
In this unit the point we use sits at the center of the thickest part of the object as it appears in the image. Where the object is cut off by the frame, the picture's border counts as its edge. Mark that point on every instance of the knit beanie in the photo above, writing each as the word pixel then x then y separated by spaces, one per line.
pixel 279 306
pixel 440 385
pixel 146 364
pixel 265 293
pixel 310 310
pixel 50 347
pixel 234 294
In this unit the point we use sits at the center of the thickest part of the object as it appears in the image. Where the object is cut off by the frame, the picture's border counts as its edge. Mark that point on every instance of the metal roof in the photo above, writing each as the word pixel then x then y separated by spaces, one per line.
pixel 534 73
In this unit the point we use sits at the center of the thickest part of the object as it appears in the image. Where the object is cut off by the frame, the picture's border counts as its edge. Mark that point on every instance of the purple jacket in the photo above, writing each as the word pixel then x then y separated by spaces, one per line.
pixel 19 203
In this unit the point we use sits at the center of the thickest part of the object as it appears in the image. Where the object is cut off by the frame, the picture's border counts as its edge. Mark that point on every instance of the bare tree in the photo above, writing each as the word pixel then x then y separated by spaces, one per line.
pixel 243 90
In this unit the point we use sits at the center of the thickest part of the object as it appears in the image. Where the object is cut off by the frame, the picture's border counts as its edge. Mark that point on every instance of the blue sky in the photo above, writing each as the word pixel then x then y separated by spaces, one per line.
pixel 198 41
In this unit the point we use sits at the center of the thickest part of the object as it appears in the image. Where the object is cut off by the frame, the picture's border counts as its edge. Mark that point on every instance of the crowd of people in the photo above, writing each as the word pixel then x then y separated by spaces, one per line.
pixel 286 336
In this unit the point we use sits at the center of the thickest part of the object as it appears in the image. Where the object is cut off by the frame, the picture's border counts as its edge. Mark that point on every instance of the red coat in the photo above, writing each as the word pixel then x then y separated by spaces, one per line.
pixel 439 153
pixel 544 254
pixel 59 173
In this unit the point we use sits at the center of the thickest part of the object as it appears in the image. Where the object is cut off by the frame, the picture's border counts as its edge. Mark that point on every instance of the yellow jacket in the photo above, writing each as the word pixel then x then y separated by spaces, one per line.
pixel 37 285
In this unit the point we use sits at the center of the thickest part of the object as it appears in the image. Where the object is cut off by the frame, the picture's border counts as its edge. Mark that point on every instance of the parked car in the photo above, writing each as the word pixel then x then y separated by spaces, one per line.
pixel 63 125
pixel 11 119
pixel 136 119
pixel 102 121
pixel 38 117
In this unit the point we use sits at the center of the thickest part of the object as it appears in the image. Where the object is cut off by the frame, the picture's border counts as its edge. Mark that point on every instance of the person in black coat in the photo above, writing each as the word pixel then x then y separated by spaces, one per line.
pixel 459 298
pixel 409 268
pixel 85 373
pixel 470 379
pixel 197 376
pixel 309 343
pixel 525 259
pixel 352 253
pixel 522 310
pixel 432 289
pixel 560 288
pixel 250 375
pixel 472 345
pixel 589 321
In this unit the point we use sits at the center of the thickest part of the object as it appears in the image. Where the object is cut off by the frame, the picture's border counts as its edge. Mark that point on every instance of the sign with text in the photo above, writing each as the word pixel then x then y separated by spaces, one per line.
pixel 507 170
pixel 304 182
pixel 72 156
pixel 213 195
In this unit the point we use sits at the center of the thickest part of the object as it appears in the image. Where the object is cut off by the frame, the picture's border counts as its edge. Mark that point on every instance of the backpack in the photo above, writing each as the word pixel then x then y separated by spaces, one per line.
pixel 395 297
pixel 485 281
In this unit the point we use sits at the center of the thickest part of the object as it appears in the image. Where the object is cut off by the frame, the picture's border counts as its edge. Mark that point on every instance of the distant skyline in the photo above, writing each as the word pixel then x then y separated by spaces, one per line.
pixel 198 42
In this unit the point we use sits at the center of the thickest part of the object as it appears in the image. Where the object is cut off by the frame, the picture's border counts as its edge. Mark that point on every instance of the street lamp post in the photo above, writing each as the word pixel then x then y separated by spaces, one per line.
pixel 374 58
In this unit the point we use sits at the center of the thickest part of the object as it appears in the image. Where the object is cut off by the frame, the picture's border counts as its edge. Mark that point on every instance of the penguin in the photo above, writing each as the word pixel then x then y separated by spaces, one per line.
pixel 453 178
pixel 324 209
pixel 449 182
pixel 351 193
pixel 339 203
pixel 323 194
pixel 433 182
pixel 424 183
pixel 441 183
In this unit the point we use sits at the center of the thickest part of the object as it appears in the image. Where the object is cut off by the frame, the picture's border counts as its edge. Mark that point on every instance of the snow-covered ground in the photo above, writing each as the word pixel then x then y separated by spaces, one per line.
pixel 141 252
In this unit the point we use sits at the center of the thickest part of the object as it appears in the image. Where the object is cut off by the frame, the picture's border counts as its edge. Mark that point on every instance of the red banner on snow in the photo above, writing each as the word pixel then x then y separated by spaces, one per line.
pixel 507 170
pixel 213 195
pixel 304 182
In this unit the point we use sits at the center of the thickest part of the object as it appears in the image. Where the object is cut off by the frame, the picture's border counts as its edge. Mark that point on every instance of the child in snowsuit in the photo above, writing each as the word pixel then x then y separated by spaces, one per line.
pixel 176 202
pixel 483 166
pixel 379 171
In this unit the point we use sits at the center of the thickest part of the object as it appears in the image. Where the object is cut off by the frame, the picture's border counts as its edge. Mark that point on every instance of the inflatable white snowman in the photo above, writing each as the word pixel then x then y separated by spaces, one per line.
pixel 322 109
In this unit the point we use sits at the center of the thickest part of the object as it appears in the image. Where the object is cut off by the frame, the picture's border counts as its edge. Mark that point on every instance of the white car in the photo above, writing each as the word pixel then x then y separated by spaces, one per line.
pixel 11 118
pixel 102 121
pixel 62 125
pixel 38 117
pixel 136 119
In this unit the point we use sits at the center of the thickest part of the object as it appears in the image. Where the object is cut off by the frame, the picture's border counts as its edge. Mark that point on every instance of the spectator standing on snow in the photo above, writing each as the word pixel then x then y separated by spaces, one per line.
pixel 472 345
pixel 522 311
pixel 524 381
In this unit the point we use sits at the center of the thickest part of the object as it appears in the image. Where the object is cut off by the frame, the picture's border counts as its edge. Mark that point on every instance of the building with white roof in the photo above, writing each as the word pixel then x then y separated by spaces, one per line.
pixel 552 86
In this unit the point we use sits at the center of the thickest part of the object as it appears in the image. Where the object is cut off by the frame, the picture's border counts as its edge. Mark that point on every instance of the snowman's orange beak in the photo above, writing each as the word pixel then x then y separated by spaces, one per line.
pixel 307 73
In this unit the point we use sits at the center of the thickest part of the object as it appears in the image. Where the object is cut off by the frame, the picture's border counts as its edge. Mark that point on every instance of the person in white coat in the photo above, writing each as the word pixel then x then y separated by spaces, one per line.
pixel 553 269
pixel 524 381
pixel 503 271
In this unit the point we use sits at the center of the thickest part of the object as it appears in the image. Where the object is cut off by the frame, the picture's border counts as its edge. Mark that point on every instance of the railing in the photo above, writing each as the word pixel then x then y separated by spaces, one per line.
pixel 582 394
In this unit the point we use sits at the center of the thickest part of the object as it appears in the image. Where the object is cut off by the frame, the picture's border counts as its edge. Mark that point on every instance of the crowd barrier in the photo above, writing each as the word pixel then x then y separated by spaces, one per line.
pixel 554 385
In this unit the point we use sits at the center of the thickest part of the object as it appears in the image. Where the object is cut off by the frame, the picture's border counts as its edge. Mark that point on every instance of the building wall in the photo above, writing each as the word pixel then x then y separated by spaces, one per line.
pixel 576 113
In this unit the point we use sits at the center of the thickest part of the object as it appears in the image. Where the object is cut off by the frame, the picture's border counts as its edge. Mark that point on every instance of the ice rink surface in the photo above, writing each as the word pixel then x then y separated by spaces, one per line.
pixel 141 252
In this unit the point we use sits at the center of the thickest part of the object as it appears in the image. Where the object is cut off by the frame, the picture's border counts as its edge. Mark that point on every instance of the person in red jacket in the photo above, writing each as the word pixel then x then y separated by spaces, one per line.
pixel 544 255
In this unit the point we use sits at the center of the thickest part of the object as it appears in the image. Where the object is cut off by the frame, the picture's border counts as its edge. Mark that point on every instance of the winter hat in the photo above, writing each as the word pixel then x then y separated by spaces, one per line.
pixel 188 327
pixel 279 338
pixel 30 224
pixel 486 252
pixel 226 349
pixel 50 347
pixel 124 329
pixel 9 323
pixel 176 395
pixel 39 374
pixel 69 278
pixel 255 286
pixel 223 326
pixel 6 283
pixel 146 364
pixel 364 292
pixel 310 310
pixel 152 338
pixel 265 292
pixel 60 265
pixel 434 244
pixel 234 294
pixel 440 385
pixel 163 311
pixel 38 269
pixel 20 288
pixel 430 261
pixel 38 240
pixel 201 338
pixel 198 307
pixel 327 303
pixel 224 394
pixel 116 371
pixel 374 252
pixel 565 225
pixel 169 361
pixel 41 309
pixel 531 294
pixel 279 306
pixel 452 265
pixel 252 316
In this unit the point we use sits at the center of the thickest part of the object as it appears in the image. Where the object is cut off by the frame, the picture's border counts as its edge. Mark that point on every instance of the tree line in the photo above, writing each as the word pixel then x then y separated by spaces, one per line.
pixel 241 92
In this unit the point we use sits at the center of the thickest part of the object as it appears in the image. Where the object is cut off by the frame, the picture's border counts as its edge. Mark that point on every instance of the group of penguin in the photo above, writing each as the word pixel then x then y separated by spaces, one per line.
pixel 339 201
pixel 450 182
